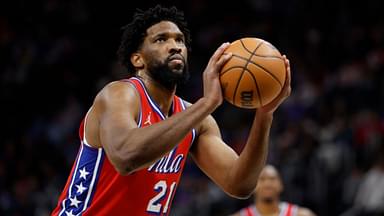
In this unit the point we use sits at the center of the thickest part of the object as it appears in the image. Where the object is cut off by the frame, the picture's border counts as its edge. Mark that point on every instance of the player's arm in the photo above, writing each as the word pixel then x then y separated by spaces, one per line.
pixel 130 148
pixel 237 175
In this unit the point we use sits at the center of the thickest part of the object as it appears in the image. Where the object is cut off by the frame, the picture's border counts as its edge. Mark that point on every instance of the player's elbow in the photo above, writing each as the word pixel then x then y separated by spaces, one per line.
pixel 124 170
pixel 124 164
pixel 239 193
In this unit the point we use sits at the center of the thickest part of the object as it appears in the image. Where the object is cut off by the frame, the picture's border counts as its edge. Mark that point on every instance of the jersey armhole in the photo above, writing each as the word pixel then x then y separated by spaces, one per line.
pixel 194 131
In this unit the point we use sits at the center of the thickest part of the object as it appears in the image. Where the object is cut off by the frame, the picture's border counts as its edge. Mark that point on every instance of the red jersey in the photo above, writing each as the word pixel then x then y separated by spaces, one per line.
pixel 286 209
pixel 94 187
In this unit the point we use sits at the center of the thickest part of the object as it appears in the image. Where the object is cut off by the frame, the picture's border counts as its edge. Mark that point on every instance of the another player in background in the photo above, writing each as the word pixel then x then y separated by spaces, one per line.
pixel 137 134
pixel 267 198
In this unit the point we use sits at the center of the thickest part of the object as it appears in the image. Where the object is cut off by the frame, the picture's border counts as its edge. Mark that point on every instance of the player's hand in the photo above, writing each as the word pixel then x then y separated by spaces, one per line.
pixel 285 92
pixel 211 81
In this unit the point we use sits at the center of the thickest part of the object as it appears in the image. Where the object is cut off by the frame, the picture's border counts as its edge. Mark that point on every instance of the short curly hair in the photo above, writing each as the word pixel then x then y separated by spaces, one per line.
pixel 135 32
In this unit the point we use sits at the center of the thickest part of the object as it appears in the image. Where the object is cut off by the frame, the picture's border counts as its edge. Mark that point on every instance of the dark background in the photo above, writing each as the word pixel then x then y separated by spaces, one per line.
pixel 326 140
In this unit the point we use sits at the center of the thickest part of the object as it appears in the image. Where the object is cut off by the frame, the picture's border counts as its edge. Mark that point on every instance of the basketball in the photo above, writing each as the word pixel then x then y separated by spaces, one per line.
pixel 254 75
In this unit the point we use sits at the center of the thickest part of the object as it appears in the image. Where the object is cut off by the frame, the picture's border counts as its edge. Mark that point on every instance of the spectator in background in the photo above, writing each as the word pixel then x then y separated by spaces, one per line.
pixel 267 198
pixel 369 200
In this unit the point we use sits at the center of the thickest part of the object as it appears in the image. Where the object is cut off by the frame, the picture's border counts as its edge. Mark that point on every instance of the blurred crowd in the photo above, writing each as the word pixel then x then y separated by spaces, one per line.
pixel 327 139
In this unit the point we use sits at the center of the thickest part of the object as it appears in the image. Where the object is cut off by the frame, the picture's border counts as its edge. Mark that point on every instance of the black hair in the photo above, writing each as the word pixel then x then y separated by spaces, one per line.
pixel 135 32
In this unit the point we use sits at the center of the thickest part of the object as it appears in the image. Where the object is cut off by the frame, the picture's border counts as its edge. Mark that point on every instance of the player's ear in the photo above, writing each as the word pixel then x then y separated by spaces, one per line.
pixel 137 60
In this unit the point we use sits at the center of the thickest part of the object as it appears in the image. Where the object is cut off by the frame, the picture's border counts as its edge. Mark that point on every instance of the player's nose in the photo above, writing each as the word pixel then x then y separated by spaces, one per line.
pixel 174 47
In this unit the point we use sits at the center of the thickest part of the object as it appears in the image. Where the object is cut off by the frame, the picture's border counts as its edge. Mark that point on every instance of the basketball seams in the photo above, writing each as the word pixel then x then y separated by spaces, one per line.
pixel 246 49
pixel 258 45
pixel 237 85
pixel 227 70
pixel 268 56
pixel 270 73
pixel 263 56
pixel 257 65
pixel 257 86
pixel 261 61
pixel 245 68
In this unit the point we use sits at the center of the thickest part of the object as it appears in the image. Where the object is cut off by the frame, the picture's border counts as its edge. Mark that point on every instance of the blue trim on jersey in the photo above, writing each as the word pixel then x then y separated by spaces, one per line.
pixel 153 104
pixel 63 204
pixel 194 133
pixel 183 104
pixel 157 109
pixel 84 181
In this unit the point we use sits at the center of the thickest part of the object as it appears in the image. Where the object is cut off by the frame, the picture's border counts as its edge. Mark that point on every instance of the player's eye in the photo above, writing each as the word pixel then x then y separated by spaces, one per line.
pixel 180 40
pixel 159 39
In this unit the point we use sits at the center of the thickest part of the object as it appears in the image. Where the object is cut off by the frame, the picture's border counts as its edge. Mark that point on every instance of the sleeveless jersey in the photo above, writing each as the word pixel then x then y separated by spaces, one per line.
pixel 94 187
pixel 286 209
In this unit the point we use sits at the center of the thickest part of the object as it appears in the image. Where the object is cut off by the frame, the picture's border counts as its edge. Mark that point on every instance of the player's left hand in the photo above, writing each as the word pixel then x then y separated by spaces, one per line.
pixel 285 92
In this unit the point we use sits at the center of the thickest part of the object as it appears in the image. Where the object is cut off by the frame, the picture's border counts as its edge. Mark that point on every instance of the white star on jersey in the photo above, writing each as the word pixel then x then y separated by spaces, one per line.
pixel 83 173
pixel 69 213
pixel 80 188
pixel 74 202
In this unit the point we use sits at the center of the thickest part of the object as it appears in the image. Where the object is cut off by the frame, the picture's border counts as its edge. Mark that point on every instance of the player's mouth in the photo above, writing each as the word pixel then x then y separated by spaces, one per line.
pixel 176 61
pixel 176 58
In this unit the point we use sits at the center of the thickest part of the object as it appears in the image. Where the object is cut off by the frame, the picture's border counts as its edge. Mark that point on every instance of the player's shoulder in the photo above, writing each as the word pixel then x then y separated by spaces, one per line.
pixel 302 211
pixel 117 89
pixel 117 86
pixel 120 90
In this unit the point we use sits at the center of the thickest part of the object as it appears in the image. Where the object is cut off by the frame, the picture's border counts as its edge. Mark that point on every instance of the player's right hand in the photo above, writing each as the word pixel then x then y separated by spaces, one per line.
pixel 211 79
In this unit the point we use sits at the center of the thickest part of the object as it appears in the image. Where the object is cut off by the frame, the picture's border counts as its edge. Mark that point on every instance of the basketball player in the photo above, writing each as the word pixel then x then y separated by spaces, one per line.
pixel 136 136
pixel 267 198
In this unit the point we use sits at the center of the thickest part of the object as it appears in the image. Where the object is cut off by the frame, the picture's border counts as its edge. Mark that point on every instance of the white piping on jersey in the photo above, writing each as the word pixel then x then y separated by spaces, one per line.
pixel 153 104
pixel 156 108
pixel 95 170
pixel 283 208
pixel 294 210
pixel 193 129
pixel 73 178
pixel 140 117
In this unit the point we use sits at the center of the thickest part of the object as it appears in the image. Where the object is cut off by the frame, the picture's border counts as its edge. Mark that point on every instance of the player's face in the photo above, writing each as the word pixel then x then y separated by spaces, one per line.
pixel 165 54
pixel 269 185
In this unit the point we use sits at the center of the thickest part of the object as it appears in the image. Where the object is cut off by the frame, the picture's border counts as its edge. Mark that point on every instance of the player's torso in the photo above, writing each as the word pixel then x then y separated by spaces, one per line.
pixel 285 209
pixel 95 188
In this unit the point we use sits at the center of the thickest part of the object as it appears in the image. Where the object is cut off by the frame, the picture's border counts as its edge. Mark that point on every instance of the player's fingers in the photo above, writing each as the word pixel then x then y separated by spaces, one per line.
pixel 223 59
pixel 288 77
pixel 215 57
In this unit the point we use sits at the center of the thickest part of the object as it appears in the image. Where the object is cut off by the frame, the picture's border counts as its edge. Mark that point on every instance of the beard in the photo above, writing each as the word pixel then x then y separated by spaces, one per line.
pixel 169 75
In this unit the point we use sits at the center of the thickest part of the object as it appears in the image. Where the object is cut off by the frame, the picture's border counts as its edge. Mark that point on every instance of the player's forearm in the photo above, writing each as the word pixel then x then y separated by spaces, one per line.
pixel 245 171
pixel 143 146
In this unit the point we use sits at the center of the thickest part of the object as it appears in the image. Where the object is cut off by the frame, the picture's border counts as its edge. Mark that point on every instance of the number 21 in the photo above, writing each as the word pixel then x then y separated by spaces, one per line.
pixel 154 204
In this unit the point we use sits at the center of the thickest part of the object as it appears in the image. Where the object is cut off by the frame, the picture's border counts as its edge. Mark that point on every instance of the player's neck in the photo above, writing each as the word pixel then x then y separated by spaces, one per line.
pixel 268 208
pixel 161 95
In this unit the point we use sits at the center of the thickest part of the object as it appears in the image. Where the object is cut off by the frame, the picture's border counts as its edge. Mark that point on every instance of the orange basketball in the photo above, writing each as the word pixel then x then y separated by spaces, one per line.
pixel 254 75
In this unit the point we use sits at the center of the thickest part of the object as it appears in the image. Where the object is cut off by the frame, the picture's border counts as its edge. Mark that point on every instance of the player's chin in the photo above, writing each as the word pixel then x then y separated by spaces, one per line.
pixel 178 71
